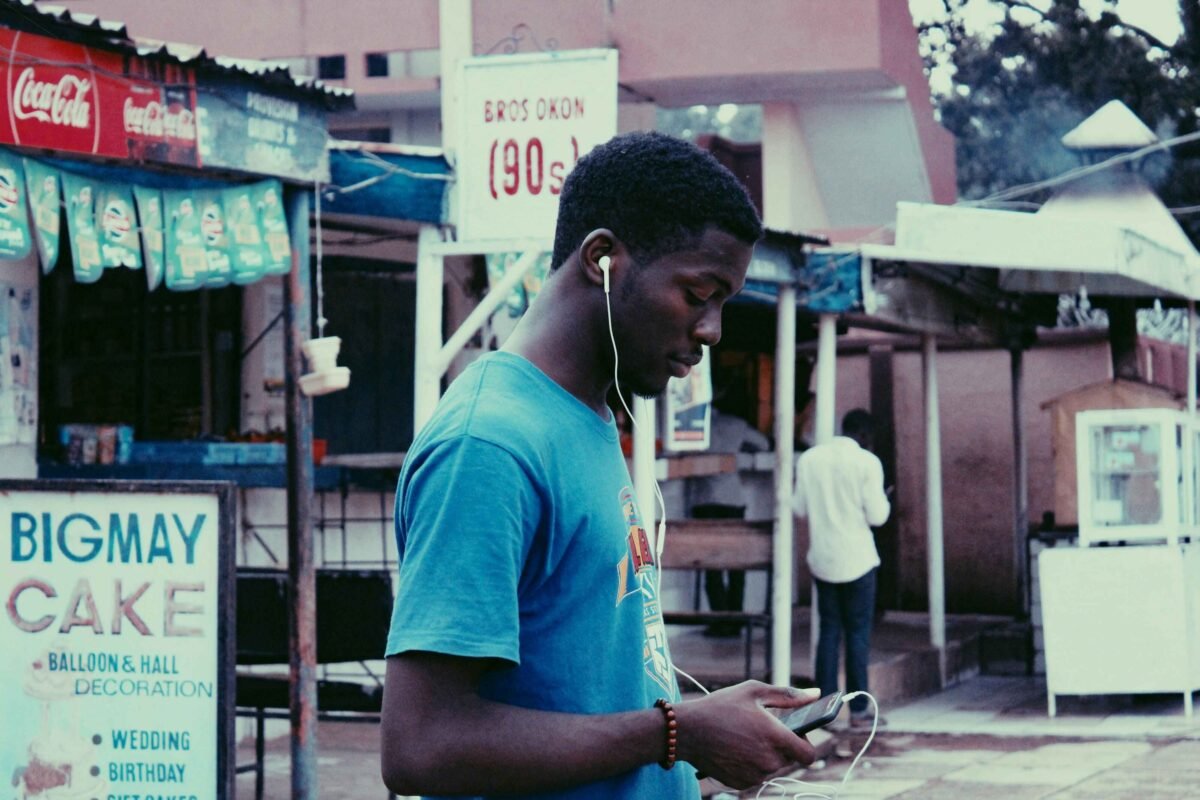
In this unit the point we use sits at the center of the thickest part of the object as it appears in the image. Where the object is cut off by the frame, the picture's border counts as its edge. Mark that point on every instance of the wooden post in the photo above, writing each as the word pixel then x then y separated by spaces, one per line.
pixel 302 575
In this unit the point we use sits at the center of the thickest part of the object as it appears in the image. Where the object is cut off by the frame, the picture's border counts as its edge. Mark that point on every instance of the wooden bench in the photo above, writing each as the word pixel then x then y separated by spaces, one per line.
pixel 703 544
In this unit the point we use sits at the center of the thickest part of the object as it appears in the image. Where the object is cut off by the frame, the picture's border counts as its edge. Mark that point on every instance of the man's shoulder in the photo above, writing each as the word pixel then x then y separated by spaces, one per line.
pixel 493 401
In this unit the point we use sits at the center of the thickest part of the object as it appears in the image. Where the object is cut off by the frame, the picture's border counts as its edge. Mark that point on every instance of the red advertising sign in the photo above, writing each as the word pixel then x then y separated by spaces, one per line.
pixel 71 98
pixel 46 102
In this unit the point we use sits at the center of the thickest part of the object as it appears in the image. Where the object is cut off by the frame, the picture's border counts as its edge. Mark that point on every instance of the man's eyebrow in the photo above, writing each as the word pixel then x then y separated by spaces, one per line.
pixel 725 285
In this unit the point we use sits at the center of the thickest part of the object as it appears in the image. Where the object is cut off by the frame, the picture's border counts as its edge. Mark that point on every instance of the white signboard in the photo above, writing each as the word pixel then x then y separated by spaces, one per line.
pixel 688 408
pixel 111 643
pixel 525 121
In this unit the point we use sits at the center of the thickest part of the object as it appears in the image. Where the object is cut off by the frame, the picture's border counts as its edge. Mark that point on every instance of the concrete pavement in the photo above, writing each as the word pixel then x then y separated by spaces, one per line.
pixel 986 738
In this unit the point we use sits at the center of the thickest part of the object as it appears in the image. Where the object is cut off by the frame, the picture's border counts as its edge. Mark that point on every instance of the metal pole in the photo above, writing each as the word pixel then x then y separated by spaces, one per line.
pixel 823 426
pixel 427 379
pixel 302 576
pixel 933 504
pixel 1020 475
pixel 643 465
pixel 823 431
pixel 783 547
pixel 455 34
pixel 1191 357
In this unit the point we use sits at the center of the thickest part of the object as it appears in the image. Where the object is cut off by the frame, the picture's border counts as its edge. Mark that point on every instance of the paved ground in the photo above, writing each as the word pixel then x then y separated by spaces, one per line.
pixel 950 767
pixel 988 738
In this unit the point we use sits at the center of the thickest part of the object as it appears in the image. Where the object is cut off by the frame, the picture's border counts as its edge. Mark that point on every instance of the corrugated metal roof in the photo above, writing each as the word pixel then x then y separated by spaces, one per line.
pixel 108 33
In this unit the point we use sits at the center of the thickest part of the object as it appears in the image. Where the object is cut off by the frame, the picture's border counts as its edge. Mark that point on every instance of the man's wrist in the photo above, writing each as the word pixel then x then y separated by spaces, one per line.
pixel 671 727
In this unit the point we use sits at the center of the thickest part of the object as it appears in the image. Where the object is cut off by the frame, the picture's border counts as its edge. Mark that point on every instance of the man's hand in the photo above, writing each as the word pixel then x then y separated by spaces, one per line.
pixel 731 736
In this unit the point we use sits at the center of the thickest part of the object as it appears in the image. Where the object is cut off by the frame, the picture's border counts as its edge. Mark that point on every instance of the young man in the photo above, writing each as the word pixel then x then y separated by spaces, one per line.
pixel 839 487
pixel 527 650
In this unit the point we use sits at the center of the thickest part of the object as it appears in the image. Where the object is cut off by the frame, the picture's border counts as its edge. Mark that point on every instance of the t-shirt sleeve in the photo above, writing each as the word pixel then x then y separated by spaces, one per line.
pixel 466 516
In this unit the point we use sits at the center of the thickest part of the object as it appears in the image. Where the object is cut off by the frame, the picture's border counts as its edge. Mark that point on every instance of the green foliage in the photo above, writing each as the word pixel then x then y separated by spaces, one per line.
pixel 741 123
pixel 1018 87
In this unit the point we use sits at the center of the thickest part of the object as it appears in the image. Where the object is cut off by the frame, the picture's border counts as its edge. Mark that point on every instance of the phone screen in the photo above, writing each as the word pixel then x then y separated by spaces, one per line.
pixel 815 715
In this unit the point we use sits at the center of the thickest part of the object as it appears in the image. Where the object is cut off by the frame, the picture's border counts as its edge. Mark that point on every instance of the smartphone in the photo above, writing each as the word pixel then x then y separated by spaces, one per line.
pixel 814 715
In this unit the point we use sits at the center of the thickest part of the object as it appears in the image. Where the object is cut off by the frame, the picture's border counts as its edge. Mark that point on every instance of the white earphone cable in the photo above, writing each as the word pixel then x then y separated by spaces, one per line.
pixel 660 539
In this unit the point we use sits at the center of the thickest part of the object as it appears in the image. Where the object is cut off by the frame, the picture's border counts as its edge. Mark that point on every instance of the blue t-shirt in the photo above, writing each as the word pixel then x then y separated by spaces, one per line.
pixel 520 540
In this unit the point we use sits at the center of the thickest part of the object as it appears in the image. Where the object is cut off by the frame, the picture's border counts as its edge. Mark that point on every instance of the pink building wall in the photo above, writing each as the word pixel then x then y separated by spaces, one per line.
pixel 977 459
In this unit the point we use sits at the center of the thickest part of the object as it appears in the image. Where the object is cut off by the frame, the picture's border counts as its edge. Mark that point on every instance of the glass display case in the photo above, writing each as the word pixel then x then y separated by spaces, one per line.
pixel 1137 476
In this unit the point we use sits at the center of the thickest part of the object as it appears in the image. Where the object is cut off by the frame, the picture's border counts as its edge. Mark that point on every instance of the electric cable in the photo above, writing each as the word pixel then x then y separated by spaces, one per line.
pixel 819 790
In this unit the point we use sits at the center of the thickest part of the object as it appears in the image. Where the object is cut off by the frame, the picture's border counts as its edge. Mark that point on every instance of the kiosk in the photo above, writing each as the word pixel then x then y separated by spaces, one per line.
pixel 1122 609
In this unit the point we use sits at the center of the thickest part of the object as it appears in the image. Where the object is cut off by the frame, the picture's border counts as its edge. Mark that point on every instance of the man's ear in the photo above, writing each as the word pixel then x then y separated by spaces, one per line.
pixel 600 257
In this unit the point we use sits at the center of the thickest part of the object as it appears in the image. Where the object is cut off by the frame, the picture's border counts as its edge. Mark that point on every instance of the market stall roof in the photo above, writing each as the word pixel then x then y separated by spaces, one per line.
pixel 848 281
pixel 88 29
pixel 1106 229
pixel 388 181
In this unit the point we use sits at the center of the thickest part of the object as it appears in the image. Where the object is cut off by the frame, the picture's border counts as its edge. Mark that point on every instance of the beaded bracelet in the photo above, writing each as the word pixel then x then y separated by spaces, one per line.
pixel 672 732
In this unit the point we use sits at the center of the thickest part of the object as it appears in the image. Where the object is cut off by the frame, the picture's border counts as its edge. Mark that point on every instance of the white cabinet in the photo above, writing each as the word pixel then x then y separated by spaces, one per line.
pixel 1121 620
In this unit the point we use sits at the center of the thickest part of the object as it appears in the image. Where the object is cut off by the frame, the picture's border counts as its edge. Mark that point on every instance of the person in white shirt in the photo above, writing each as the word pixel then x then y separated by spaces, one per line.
pixel 839 487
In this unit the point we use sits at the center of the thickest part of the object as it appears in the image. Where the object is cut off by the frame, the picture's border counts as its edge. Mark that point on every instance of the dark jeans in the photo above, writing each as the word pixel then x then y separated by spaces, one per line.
pixel 845 609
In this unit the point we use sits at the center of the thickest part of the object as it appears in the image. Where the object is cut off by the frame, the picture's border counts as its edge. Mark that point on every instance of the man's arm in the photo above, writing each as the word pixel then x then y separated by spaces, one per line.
pixel 876 506
pixel 440 737
pixel 799 501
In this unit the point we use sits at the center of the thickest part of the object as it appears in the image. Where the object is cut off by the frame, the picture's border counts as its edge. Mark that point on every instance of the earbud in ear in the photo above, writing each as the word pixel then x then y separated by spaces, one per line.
pixel 604 263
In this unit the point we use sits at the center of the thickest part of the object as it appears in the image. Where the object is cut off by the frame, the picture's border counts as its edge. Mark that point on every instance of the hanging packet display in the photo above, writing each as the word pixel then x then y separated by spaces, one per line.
pixel 45 198
pixel 215 236
pixel 248 247
pixel 81 227
pixel 150 224
pixel 186 259
pixel 268 197
pixel 119 244
pixel 14 219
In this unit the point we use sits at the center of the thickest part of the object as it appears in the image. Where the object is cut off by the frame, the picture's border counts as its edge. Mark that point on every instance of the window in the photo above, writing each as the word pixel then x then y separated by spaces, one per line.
pixel 377 65
pixel 371 306
pixel 114 353
pixel 331 68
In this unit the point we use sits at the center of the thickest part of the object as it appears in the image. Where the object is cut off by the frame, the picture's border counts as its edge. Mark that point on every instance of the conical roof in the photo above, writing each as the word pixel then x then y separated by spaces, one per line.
pixel 1112 127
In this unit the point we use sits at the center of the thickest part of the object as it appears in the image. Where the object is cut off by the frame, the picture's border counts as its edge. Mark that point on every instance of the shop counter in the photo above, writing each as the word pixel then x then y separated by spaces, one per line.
pixel 246 476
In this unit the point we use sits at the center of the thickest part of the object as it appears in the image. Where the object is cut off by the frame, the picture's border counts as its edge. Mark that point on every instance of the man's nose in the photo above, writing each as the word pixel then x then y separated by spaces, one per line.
pixel 708 328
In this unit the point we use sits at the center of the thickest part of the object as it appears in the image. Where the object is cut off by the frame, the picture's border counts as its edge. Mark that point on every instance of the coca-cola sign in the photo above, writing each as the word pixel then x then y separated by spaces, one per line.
pixel 53 94
pixel 157 121
pixel 71 98
pixel 62 102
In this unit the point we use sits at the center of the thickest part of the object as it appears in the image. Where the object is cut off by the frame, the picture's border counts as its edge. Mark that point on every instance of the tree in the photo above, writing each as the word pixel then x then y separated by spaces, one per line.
pixel 737 123
pixel 1016 89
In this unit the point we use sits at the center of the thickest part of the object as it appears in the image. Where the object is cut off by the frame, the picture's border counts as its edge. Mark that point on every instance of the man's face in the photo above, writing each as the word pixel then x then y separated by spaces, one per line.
pixel 666 310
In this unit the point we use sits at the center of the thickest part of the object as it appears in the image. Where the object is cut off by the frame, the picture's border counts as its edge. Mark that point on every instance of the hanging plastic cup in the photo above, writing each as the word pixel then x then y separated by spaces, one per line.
pixel 324 374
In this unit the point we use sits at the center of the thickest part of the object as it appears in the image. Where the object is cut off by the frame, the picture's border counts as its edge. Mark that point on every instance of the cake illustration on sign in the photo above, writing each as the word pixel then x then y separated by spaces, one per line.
pixel 63 762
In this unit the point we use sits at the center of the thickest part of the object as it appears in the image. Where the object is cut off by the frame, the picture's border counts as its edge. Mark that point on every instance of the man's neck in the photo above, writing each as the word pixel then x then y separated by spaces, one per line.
pixel 560 336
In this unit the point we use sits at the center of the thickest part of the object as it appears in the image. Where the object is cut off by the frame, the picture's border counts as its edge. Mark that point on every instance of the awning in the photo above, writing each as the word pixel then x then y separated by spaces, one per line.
pixel 1040 253
pixel 867 289
pixel 387 181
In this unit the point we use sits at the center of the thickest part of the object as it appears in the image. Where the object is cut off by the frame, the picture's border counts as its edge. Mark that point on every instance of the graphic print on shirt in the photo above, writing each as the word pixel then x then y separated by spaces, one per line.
pixel 636 576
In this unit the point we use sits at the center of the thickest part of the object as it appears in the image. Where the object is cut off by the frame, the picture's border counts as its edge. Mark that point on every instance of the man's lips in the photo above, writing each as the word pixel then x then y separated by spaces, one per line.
pixel 682 365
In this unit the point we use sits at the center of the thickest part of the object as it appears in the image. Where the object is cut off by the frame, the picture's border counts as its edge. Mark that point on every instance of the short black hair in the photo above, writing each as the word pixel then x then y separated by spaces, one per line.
pixel 656 193
pixel 858 422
